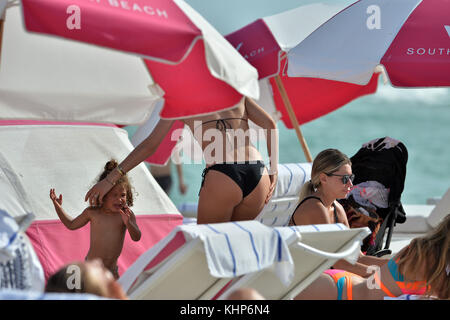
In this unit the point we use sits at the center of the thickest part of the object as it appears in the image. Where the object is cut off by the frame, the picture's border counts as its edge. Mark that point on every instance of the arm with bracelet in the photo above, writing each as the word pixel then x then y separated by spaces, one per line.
pixel 144 150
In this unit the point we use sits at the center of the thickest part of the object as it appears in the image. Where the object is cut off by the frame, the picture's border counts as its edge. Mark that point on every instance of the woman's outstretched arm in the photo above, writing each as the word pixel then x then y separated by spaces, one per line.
pixel 145 149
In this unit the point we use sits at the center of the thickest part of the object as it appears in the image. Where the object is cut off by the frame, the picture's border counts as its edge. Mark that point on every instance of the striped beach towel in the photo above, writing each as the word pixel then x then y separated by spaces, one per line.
pixel 19 266
pixel 236 248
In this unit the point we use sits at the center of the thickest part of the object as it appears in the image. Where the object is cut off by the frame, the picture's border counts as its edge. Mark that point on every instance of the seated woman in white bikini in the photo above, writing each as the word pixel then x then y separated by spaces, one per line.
pixel 236 183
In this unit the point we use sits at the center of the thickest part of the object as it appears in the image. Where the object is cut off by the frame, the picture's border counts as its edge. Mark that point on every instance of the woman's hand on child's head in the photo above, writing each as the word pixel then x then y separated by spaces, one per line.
pixel 54 198
pixel 97 192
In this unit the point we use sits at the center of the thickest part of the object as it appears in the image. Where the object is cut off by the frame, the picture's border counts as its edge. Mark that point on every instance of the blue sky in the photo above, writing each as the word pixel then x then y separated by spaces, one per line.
pixel 229 15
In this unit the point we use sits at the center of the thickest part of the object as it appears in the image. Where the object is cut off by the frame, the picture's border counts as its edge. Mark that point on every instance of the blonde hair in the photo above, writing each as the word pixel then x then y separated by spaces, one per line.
pixel 429 257
pixel 327 161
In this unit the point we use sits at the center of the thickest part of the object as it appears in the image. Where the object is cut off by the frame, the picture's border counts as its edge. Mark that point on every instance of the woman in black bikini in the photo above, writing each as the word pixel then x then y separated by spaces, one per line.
pixel 236 183
pixel 331 179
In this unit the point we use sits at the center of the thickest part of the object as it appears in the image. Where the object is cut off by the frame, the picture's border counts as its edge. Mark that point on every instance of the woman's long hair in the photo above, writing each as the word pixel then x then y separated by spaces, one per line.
pixel 327 161
pixel 428 257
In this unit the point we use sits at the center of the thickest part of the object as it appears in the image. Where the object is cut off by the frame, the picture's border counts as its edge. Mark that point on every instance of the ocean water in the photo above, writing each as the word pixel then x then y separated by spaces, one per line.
pixel 420 118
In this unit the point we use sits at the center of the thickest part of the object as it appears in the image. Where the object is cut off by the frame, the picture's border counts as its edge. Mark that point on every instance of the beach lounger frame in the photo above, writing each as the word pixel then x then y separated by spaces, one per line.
pixel 196 262
pixel 312 252
pixel 164 281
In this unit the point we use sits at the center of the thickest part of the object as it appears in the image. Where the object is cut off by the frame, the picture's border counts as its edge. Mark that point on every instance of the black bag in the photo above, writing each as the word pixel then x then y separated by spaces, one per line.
pixel 381 162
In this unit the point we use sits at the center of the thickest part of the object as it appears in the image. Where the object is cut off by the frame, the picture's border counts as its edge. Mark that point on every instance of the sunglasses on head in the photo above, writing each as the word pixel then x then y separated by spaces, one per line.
pixel 345 177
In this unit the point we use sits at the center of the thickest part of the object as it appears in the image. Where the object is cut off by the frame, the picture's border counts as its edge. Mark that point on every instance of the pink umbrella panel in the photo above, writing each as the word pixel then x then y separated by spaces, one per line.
pixel 156 29
pixel 164 152
pixel 189 87
pixel 420 55
pixel 313 98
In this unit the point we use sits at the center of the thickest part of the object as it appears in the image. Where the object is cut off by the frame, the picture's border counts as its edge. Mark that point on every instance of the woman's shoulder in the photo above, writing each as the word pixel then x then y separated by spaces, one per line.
pixel 310 209
pixel 310 201
pixel 339 207
pixel 341 213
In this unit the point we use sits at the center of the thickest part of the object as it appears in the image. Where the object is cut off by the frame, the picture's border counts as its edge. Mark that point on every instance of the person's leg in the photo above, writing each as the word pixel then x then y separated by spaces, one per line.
pixel 218 197
pixel 323 288
pixel 245 294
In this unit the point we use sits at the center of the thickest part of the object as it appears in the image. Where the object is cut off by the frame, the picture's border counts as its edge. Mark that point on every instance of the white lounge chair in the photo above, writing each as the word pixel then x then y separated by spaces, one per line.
pixel 196 261
pixel 313 248
pixel 419 220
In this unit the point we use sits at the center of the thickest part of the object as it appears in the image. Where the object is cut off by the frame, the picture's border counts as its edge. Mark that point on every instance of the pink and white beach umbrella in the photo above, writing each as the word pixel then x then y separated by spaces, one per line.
pixel 52 79
pixel 410 38
pixel 264 44
pixel 197 68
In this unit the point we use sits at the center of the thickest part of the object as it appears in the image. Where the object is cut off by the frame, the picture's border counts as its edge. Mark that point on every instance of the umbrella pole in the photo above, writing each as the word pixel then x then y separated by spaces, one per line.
pixel 293 118
pixel 2 20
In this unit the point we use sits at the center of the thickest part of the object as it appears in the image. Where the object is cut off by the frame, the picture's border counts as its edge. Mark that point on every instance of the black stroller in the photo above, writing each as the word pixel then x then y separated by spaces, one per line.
pixel 380 172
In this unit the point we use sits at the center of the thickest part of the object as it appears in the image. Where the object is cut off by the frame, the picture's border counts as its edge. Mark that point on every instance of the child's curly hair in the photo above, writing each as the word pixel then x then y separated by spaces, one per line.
pixel 110 166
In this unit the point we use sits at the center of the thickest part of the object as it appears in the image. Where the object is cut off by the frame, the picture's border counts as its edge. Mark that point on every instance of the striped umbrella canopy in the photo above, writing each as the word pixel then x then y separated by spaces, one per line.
pixel 410 38
pixel 265 42
pixel 49 79
pixel 197 68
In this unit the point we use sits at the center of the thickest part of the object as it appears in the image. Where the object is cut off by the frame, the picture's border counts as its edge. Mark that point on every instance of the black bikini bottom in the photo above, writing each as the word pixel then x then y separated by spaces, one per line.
pixel 246 174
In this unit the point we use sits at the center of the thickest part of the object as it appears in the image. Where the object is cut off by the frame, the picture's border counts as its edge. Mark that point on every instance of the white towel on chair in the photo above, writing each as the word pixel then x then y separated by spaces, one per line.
pixel 291 178
pixel 231 249
pixel 237 248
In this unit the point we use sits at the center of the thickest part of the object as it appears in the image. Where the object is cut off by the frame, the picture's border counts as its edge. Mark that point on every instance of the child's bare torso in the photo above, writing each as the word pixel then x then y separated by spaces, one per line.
pixel 107 236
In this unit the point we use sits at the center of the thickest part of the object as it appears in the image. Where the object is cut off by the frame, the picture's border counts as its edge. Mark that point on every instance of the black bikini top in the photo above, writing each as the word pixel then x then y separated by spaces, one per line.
pixel 313 197
pixel 222 124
